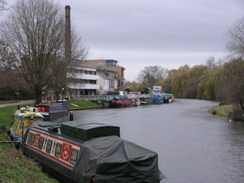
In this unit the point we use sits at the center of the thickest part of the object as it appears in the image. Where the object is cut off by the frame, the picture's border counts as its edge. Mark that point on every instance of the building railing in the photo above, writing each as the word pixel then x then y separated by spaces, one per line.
pixel 103 97
pixel 91 97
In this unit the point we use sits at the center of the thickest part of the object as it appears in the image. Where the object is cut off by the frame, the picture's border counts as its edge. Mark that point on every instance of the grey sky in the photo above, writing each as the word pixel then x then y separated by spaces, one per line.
pixel 139 33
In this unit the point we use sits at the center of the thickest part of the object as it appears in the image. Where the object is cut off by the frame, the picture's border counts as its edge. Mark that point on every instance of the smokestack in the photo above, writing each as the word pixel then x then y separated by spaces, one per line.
pixel 67 33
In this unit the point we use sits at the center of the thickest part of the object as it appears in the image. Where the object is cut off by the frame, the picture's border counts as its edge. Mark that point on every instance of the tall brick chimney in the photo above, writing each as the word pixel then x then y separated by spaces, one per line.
pixel 67 33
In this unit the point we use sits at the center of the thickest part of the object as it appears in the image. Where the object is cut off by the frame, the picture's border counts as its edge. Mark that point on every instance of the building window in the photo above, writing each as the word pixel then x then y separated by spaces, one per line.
pixel 49 146
pixel 58 150
pixel 74 156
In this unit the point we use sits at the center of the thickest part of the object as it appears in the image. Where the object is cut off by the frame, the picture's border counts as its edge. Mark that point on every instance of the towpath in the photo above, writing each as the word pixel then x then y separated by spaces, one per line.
pixel 23 102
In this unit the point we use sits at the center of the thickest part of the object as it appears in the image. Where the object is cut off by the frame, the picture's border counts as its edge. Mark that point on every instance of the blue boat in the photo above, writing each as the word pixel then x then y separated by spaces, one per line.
pixel 158 98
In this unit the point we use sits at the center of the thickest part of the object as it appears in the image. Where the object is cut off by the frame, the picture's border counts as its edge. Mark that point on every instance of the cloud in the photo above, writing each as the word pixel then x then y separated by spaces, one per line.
pixel 143 32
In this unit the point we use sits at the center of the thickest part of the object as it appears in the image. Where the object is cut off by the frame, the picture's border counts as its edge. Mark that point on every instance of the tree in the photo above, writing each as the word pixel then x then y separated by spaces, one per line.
pixel 232 84
pixel 152 75
pixel 35 32
pixel 179 82
pixel 210 63
pixel 209 83
pixel 193 80
pixel 167 86
pixel 235 43
pixel 6 57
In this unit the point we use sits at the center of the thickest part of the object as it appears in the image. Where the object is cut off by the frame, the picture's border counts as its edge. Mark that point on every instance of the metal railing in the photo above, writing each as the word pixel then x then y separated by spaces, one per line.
pixel 102 97
pixel 91 97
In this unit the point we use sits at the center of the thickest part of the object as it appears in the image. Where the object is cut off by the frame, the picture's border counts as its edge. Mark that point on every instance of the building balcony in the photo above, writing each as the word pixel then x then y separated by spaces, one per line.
pixel 83 76
pixel 83 86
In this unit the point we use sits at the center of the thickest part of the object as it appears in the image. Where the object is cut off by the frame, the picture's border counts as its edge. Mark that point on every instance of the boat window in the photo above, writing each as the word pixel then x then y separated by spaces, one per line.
pixel 74 156
pixel 31 138
pixel 49 145
pixel 58 150
pixel 41 142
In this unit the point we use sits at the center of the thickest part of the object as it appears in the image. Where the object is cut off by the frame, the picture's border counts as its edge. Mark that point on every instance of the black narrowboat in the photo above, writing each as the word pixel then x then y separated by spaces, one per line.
pixel 89 153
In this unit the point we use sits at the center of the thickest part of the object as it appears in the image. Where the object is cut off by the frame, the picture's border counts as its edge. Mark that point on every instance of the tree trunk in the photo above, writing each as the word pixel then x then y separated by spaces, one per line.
pixel 38 95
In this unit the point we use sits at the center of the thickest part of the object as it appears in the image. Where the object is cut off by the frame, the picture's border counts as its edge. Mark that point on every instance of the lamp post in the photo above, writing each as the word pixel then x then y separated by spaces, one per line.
pixel 62 93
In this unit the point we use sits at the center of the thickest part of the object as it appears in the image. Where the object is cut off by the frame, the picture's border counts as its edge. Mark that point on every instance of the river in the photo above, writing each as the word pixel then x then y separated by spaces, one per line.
pixel 193 145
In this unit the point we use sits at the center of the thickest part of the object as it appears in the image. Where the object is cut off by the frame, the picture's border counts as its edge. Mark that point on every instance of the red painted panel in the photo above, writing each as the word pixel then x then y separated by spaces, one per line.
pixel 66 152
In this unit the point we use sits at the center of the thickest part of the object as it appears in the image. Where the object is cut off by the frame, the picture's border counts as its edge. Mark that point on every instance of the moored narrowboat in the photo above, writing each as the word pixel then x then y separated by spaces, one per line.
pixel 169 97
pixel 89 153
pixel 22 121
pixel 55 112
pixel 119 101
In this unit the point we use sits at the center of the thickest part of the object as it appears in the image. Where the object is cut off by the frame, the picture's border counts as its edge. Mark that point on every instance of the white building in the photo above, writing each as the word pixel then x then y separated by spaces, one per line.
pixel 82 80
pixel 106 82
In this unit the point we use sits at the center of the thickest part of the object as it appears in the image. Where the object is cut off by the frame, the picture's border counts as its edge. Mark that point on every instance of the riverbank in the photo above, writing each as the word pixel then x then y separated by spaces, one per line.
pixel 20 167
pixel 221 110
pixel 14 166
pixel 230 111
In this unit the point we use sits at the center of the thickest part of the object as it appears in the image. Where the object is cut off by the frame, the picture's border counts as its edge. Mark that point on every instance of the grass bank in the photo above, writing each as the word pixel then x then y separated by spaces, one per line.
pixel 81 104
pixel 14 166
pixel 222 110
pixel 9 102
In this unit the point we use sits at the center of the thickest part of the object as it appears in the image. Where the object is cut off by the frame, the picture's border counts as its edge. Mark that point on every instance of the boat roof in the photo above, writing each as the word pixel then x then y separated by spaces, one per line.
pixel 78 130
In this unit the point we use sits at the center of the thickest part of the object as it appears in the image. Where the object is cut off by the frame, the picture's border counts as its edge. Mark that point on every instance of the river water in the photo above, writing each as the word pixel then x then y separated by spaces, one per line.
pixel 193 145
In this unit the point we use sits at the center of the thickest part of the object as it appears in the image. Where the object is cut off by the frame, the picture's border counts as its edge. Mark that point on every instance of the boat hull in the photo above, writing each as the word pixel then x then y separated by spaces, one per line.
pixel 120 103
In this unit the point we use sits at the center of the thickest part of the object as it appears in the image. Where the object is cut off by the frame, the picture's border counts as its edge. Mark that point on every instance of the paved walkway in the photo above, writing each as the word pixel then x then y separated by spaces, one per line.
pixel 23 102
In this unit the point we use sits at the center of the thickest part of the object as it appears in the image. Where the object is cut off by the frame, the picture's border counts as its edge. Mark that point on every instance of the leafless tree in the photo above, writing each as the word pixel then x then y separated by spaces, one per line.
pixel 35 32
pixel 235 35
pixel 152 74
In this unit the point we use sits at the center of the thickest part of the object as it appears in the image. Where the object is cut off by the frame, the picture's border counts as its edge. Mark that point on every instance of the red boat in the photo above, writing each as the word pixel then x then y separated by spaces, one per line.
pixel 119 101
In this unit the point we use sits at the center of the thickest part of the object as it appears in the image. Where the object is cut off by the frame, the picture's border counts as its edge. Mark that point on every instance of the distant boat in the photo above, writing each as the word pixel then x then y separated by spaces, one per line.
pixel 146 100
pixel 169 98
pixel 54 112
pixel 158 98
pixel 119 101
pixel 135 102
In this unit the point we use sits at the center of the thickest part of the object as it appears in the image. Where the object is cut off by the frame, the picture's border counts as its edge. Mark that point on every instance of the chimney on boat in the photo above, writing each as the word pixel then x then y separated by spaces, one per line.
pixel 67 33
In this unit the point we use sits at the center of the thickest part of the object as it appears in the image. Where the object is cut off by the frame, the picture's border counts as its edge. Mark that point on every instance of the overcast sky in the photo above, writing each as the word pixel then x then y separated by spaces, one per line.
pixel 140 33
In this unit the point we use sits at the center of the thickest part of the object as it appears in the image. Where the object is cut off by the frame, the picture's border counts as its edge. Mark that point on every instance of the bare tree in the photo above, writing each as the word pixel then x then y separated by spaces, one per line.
pixel 152 74
pixel 35 32
pixel 235 35
pixel 6 57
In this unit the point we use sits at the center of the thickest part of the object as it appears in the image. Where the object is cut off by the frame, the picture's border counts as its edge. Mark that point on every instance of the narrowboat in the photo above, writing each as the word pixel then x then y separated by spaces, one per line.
pixel 169 97
pixel 146 100
pixel 119 101
pixel 55 112
pixel 22 121
pixel 89 153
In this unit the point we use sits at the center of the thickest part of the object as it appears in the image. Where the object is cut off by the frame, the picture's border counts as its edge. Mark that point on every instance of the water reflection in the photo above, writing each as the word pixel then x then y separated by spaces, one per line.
pixel 193 145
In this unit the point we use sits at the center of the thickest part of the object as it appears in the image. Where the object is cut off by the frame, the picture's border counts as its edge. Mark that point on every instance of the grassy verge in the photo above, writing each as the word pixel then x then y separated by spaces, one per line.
pixel 80 104
pixel 222 110
pixel 14 166
pixel 8 102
